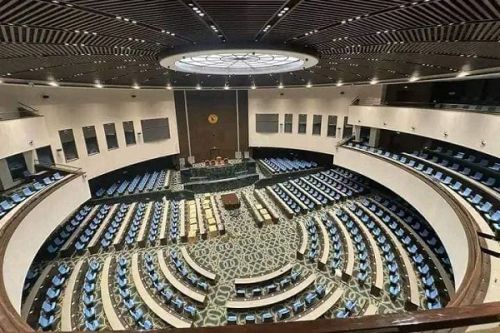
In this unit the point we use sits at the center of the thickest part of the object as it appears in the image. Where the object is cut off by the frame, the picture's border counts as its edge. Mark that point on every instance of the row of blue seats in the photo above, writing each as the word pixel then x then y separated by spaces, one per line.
pixel 269 287
pixel 323 186
pixel 280 312
pixel 135 312
pixel 280 165
pixel 169 296
pixel 489 163
pixel 314 247
pixel 133 229
pixel 174 221
pixel 348 309
pixel 299 195
pixel 25 192
pixel 359 244
pixel 417 224
pixel 185 273
pixel 291 203
pixel 67 230
pixel 348 174
pixel 417 254
pixel 91 229
pixel 140 183
pixel 491 182
pixel 484 207
pixel 112 229
pixel 46 319
pixel 89 297
pixel 313 192
pixel 345 180
pixel 385 246
pixel 155 221
pixel 336 184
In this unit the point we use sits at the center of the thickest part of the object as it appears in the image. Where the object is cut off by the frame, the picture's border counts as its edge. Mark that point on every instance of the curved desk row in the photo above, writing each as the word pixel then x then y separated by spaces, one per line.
pixel 197 268
pixel 264 278
pixel 274 299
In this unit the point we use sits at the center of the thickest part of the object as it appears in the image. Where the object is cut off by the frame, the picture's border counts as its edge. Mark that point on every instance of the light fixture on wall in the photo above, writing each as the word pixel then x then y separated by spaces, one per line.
pixel 98 85
pixel 281 86
pixel 169 86
pixel 374 81
pixel 136 86
pixel 339 84
pixel 198 87
pixel 254 86
pixel 309 85
pixel 53 83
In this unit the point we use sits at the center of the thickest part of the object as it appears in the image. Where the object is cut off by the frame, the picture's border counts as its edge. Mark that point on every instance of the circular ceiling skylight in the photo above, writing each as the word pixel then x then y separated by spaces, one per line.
pixel 239 61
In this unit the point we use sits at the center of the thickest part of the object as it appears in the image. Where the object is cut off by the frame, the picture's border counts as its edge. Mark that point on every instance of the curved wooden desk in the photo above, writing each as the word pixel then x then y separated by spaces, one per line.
pixel 413 302
pixel 349 267
pixel 264 278
pixel 67 303
pixel 378 281
pixel 271 300
pixel 325 247
pixel 197 268
pixel 322 307
pixel 107 303
pixel 151 303
pixel 172 279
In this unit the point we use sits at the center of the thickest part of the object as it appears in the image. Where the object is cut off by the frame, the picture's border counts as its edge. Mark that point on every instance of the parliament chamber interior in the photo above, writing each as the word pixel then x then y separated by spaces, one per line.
pixel 250 166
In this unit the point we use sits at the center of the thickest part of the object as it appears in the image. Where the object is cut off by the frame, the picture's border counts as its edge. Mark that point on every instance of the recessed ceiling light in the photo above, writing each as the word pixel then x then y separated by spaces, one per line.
pixel 53 84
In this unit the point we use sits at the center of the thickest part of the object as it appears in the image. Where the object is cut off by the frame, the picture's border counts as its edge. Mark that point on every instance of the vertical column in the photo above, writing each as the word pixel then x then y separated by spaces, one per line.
pixel 374 137
pixel 238 151
pixel 190 157
pixel 357 133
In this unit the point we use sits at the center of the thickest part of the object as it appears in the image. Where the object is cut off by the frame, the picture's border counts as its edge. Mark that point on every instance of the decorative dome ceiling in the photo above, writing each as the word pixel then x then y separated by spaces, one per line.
pixel 118 43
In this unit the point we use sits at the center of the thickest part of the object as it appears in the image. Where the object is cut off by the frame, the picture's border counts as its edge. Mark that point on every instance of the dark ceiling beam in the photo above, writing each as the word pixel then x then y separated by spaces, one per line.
pixel 279 15
pixel 113 17
pixel 206 19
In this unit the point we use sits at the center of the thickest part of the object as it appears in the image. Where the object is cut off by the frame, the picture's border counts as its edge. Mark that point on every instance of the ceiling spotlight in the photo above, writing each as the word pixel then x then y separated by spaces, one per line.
pixel 169 86
pixel 309 85
pixel 136 86
pixel 281 86
pixel 413 78
pixel 198 87
pixel 254 86
pixel 53 83
pixel 462 74
pixel 339 84
pixel 374 81
pixel 226 87
pixel 98 85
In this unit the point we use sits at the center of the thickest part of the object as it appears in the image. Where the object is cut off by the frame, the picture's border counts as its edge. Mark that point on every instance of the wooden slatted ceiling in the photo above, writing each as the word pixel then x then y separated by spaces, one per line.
pixel 240 20
pixel 83 41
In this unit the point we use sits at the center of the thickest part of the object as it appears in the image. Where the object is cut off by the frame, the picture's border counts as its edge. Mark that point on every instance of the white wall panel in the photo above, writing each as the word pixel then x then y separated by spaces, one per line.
pixel 463 128
pixel 319 101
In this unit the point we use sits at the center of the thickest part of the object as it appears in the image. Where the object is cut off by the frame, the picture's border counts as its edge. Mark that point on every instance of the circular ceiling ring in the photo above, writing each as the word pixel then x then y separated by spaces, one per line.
pixel 239 61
